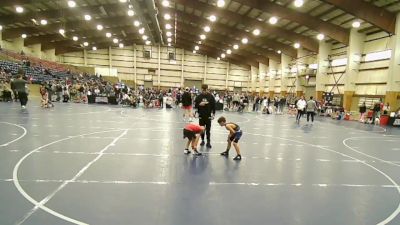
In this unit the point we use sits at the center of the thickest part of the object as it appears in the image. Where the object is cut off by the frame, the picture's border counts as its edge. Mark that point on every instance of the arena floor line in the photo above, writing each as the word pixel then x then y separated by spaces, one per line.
pixel 331 172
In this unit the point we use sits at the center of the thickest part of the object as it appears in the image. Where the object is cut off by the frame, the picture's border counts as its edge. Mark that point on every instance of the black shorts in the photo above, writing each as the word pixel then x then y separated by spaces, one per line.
pixel 189 134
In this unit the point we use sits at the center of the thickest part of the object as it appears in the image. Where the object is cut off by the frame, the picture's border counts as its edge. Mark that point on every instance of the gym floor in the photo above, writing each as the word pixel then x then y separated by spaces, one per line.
pixel 104 165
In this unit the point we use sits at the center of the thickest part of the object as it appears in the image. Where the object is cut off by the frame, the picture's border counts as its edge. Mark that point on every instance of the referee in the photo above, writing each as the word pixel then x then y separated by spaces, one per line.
pixel 205 104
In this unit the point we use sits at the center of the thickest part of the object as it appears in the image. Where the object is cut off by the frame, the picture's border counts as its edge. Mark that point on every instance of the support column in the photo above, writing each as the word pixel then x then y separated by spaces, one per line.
pixel 85 57
pixel 183 68
pixel 301 60
pixel 205 69
pixel 263 70
pixel 354 52
pixel 285 61
pixel 273 68
pixel 134 65
pixel 253 78
pixel 393 81
pixel 322 76
pixel 227 76
pixel 1 39
pixel 159 67
pixel 110 60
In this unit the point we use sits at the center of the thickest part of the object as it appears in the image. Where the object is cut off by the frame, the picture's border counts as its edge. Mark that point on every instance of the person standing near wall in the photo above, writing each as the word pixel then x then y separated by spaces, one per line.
pixel 205 104
pixel 311 108
pixel 363 110
pixel 20 87
pixel 187 104
pixel 301 105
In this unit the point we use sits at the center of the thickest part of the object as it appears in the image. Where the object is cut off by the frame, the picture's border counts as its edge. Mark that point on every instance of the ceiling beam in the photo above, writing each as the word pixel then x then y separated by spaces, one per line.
pixel 367 11
pixel 334 31
pixel 252 23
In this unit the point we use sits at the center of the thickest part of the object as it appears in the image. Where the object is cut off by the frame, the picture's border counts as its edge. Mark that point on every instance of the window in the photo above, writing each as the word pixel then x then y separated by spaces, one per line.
pixel 171 56
pixel 147 54
pixel 374 56
pixel 339 62
pixel 313 66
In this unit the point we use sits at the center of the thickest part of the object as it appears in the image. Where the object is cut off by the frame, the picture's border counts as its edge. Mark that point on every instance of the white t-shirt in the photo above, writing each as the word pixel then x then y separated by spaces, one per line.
pixel 301 104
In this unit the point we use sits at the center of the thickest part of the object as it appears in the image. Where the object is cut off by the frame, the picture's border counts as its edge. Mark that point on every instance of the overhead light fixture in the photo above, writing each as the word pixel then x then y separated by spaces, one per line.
pixel 141 30
pixel 167 16
pixel 131 12
pixel 23 36
pixel 108 34
pixel 203 37
pixel 43 22
pixel 1 27
pixel 88 17
pixel 245 40
pixel 148 42
pixel 199 42
pixel 207 29
pixel 115 40
pixel 75 38
pixel 61 31
pixel 218 58
pixel 212 18
pixel 256 32
pixel 169 44
pixel 121 45
pixel 320 37
pixel 19 9
pixel 123 1
pixel 279 52
pixel 194 51
pixel 223 55
pixel 273 20
pixel 99 27
pixel 298 3
pixel 220 3
pixel 356 24
pixel 168 26
pixel 136 23
pixel 169 39
pixel 94 48
pixel 296 45
pixel 144 37
pixel 71 4
pixel 228 51
pixel 235 46
pixel 85 43
pixel 165 3
pixel 196 48
pixel 169 34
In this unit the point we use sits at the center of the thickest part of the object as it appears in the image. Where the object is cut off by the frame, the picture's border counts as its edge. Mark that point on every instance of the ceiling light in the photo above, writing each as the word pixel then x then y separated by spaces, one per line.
pixel 19 9
pixel 212 18
pixel 199 42
pixel 235 46
pixel 298 3
pixel 202 37
pixel 169 39
pixel 228 51
pixel 71 4
pixel 320 37
pixel 279 52
pixel 115 40
pixel 94 48
pixel 218 58
pixel 194 51
pixel 144 37
pixel 196 47
pixel 296 45
pixel 43 22
pixel 169 34
pixel 141 30
pixel 121 45
pixel 123 1
pixel 245 40
pixel 148 42
pixel 256 32
pixel 207 29
pixel 223 55
pixel 136 23
pixel 1 27
pixel 23 36
pixel 220 3
pixel 99 27
pixel 168 26
pixel 88 17
pixel 85 43
pixel 356 24
pixel 131 12
pixel 167 16
pixel 61 31
pixel 169 44
pixel 273 20
pixel 165 3
pixel 108 34
pixel 75 38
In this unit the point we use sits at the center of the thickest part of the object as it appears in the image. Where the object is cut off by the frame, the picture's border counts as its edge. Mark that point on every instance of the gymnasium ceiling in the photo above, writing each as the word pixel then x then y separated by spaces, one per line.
pixel 235 20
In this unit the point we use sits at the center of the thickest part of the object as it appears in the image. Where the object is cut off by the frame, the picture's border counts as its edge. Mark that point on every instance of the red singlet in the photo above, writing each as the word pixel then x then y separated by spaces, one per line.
pixel 193 127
